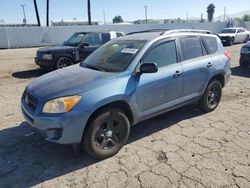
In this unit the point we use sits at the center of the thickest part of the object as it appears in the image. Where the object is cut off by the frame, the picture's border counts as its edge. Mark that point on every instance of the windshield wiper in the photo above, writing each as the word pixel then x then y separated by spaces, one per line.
pixel 92 67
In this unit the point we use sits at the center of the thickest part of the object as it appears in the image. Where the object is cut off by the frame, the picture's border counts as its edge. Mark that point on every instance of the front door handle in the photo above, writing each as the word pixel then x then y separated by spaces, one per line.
pixel 209 64
pixel 177 74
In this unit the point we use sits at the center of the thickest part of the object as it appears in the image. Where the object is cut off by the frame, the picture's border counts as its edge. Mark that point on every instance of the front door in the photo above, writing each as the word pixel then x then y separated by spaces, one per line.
pixel 89 44
pixel 161 90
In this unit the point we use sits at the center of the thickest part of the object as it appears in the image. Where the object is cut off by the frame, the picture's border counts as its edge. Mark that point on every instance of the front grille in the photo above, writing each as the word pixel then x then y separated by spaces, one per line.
pixel 30 100
pixel 223 38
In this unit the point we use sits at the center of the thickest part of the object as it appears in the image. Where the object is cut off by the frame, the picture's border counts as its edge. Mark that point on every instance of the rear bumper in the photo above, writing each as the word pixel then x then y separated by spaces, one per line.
pixel 66 128
pixel 47 64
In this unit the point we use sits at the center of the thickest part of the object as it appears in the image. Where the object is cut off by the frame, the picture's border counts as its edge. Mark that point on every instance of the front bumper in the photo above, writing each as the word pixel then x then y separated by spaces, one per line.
pixel 66 128
pixel 48 64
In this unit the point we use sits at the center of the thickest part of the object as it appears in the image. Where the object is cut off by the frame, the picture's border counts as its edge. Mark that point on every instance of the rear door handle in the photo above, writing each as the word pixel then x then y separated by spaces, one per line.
pixel 177 74
pixel 209 64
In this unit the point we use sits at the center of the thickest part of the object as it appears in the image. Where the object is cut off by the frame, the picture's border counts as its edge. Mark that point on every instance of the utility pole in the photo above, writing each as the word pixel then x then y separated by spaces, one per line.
pixel 146 14
pixel 224 14
pixel 24 16
pixel 187 17
pixel 89 12
pixel 104 17
pixel 47 14
pixel 37 14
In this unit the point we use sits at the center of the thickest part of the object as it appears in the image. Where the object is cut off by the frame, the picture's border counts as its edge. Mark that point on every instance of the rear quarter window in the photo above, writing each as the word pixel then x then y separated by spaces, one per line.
pixel 210 44
pixel 105 37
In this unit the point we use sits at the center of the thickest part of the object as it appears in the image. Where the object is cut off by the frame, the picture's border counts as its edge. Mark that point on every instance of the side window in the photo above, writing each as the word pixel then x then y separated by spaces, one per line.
pixel 210 44
pixel 92 39
pixel 119 34
pixel 190 47
pixel 105 37
pixel 241 30
pixel 163 54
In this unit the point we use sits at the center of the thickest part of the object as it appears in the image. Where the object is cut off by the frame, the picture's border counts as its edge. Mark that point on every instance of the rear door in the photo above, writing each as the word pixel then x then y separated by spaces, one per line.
pixel 197 65
pixel 161 90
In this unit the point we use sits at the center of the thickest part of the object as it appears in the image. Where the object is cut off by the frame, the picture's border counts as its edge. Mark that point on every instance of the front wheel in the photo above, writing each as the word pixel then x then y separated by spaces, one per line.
pixel 106 133
pixel 231 41
pixel 211 98
pixel 243 62
pixel 247 39
pixel 63 62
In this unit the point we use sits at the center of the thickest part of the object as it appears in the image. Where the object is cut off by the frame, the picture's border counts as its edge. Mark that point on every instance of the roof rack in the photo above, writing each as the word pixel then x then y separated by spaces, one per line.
pixel 187 31
pixel 147 31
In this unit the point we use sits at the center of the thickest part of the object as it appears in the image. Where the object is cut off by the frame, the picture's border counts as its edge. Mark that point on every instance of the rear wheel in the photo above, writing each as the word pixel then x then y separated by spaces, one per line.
pixel 211 98
pixel 106 134
pixel 63 62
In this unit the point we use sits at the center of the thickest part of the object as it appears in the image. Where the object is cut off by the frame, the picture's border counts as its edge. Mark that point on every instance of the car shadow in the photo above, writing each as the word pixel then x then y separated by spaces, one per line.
pixel 29 73
pixel 27 160
pixel 242 72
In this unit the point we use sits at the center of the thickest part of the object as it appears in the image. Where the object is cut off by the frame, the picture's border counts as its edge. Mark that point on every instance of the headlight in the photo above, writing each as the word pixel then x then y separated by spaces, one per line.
pixel 61 105
pixel 47 56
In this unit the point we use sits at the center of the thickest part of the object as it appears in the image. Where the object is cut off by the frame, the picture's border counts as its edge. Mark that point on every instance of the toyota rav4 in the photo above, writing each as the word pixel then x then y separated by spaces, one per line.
pixel 128 80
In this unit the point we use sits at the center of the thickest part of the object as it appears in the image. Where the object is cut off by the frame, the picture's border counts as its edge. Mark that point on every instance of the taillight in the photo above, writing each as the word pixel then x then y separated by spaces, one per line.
pixel 227 54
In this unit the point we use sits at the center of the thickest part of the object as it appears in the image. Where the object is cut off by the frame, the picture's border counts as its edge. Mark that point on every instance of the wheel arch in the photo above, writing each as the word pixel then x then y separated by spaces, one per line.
pixel 220 77
pixel 124 106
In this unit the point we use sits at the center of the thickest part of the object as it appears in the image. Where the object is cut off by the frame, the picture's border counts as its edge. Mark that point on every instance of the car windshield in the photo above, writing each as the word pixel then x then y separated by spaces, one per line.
pixel 74 40
pixel 229 31
pixel 115 56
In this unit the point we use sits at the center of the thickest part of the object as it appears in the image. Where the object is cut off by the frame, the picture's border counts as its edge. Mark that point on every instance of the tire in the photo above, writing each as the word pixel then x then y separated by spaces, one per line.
pixel 106 133
pixel 63 62
pixel 247 39
pixel 243 63
pixel 211 98
pixel 231 41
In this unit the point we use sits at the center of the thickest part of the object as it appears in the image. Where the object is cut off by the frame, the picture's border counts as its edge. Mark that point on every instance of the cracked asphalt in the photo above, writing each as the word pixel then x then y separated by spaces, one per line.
pixel 182 148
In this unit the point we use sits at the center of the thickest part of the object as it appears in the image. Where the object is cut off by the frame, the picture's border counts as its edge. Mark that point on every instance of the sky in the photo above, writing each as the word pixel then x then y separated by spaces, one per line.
pixel 130 10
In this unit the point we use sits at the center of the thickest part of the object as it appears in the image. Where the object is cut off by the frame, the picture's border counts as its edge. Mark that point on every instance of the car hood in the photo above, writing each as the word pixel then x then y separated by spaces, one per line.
pixel 226 34
pixel 55 49
pixel 68 81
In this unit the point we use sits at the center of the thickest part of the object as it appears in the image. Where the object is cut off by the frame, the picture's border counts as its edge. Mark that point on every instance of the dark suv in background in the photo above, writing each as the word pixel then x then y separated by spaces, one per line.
pixel 245 55
pixel 79 46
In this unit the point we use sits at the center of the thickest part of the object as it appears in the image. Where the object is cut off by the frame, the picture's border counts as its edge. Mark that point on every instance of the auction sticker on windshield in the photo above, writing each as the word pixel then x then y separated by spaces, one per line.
pixel 129 50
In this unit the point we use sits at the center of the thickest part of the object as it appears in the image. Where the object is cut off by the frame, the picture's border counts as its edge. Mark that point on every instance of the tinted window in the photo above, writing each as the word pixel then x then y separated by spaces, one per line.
pixel 105 37
pixel 229 31
pixel 210 44
pixel 92 39
pixel 190 47
pixel 241 31
pixel 163 54
pixel 75 39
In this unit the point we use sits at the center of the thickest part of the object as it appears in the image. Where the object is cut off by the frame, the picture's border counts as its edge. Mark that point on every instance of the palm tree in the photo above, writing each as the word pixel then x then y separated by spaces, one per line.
pixel 210 12
pixel 37 14
pixel 47 14
pixel 89 12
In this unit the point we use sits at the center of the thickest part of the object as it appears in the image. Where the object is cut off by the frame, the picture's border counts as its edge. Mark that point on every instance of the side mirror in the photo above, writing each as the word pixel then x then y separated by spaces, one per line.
pixel 84 44
pixel 148 68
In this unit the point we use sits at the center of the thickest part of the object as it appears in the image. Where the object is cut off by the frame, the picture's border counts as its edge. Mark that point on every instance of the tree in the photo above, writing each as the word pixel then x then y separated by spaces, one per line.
pixel 210 12
pixel 246 17
pixel 117 19
pixel 37 14
pixel 47 13
pixel 89 12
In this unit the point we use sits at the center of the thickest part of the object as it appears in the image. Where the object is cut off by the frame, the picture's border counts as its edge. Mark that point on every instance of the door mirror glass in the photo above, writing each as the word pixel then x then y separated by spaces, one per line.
pixel 148 68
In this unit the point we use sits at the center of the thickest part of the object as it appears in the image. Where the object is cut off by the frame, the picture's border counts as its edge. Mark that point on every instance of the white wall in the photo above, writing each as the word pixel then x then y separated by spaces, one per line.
pixel 20 37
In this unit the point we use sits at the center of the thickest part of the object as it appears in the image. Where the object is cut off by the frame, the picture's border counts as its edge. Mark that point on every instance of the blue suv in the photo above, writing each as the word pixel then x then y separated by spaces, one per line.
pixel 126 81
